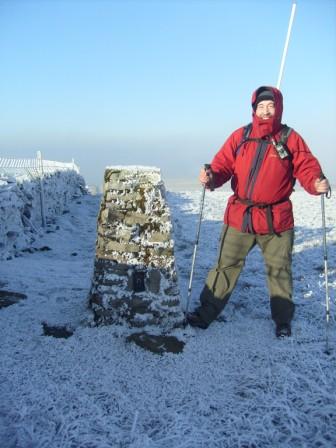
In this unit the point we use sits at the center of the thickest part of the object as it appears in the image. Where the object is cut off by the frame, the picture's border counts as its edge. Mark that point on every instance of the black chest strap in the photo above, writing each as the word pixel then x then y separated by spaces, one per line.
pixel 280 145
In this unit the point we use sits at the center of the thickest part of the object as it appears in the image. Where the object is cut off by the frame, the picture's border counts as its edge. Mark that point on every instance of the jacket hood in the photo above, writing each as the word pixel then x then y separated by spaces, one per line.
pixel 261 127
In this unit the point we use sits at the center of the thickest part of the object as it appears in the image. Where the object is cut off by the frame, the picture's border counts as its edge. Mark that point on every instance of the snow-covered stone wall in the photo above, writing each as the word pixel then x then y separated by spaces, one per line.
pixel 20 206
pixel 135 279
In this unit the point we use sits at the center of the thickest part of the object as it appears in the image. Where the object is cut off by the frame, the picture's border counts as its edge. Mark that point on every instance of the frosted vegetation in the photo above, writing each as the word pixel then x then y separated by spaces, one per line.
pixel 234 385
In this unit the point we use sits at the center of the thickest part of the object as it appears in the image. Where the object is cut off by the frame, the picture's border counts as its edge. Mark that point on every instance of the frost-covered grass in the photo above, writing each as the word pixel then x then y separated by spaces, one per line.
pixel 235 384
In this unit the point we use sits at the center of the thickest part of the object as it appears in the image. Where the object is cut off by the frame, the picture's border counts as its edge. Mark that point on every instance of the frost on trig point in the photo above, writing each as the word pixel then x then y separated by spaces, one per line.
pixel 135 279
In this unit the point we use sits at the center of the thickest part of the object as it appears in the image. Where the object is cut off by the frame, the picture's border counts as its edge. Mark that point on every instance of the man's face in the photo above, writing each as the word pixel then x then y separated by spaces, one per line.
pixel 265 109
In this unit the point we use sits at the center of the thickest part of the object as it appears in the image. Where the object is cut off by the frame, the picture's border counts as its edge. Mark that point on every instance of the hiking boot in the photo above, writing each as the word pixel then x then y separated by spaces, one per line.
pixel 283 330
pixel 195 320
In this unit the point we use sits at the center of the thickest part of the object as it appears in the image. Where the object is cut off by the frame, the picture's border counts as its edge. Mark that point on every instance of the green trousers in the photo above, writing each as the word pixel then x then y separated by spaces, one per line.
pixel 234 247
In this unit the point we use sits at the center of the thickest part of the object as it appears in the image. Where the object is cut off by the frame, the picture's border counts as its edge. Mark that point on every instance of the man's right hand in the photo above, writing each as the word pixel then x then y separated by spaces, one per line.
pixel 206 178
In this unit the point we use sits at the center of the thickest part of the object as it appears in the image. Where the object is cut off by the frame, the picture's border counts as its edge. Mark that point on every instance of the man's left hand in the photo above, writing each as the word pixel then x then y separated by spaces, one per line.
pixel 321 186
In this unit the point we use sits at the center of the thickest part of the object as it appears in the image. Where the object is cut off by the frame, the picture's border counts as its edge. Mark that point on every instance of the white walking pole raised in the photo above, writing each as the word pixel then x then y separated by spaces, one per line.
pixel 284 54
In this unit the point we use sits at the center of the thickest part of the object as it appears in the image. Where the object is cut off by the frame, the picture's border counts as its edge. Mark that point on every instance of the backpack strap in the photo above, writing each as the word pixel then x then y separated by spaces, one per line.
pixel 285 133
pixel 246 133
pixel 281 146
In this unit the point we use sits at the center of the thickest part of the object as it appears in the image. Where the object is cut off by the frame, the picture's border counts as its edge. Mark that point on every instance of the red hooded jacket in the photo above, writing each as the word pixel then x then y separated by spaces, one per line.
pixel 261 181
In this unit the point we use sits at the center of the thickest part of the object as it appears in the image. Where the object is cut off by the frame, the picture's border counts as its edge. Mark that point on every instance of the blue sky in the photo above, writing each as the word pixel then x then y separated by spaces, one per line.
pixel 159 82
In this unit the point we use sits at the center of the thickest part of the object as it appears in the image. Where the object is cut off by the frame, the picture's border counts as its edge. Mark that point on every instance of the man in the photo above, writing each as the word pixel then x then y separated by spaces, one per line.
pixel 262 160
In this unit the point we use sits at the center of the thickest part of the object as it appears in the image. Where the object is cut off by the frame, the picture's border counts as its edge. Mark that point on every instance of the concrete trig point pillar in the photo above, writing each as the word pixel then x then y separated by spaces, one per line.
pixel 135 280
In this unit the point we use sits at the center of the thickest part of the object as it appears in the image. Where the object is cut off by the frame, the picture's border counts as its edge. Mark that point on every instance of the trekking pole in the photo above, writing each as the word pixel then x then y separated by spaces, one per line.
pixel 206 167
pixel 284 54
pixel 325 257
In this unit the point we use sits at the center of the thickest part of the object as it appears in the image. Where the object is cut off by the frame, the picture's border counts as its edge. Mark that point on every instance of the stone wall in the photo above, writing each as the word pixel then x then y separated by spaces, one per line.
pixel 134 278
pixel 20 206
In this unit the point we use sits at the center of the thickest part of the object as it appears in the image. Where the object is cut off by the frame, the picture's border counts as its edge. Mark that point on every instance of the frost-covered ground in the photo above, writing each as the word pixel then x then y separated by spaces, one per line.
pixel 234 385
